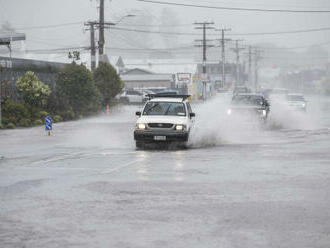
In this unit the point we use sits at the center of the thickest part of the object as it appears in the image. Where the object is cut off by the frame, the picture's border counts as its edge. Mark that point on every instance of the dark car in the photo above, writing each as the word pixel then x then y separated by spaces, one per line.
pixel 249 104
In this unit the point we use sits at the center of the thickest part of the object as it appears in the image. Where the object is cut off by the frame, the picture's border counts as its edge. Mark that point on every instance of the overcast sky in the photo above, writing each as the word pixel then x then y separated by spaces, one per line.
pixel 23 14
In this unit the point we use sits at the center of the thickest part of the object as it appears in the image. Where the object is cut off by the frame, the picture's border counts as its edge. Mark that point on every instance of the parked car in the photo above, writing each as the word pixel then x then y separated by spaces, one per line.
pixel 164 119
pixel 130 96
pixel 134 96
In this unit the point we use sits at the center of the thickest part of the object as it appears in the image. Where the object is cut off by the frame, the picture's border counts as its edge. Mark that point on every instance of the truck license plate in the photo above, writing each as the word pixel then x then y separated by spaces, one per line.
pixel 159 137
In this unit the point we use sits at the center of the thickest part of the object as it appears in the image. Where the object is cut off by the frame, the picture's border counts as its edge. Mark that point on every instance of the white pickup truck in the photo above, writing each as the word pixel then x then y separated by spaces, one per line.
pixel 164 118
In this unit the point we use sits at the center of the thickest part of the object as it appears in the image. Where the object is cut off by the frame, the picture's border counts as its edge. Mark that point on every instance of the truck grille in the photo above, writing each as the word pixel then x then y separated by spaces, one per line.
pixel 160 125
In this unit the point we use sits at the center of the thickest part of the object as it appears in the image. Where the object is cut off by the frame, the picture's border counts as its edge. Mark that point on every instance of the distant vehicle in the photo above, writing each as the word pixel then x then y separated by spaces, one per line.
pixel 145 93
pixel 241 90
pixel 130 96
pixel 134 96
pixel 156 89
pixel 249 104
pixel 297 101
pixel 164 119
pixel 168 92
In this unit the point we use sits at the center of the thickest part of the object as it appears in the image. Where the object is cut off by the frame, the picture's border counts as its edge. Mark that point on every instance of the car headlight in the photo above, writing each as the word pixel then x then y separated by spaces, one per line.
pixel 229 111
pixel 180 127
pixel 141 126
pixel 264 112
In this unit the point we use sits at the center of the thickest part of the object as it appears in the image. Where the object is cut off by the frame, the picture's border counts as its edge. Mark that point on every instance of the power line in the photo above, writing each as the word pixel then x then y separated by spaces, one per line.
pixel 155 25
pixel 232 34
pixel 153 32
pixel 50 26
pixel 58 50
pixel 297 47
pixel 286 32
pixel 235 8
pixel 151 49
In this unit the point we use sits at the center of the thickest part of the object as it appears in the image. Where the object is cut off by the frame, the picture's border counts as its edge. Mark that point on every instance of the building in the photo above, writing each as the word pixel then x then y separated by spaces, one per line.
pixel 140 78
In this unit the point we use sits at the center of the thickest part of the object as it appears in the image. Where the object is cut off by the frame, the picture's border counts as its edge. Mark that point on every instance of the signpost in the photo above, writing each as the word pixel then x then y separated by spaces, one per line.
pixel 48 124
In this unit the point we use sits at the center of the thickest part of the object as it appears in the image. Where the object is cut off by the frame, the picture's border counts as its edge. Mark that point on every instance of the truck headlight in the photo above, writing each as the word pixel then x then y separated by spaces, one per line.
pixel 229 111
pixel 180 127
pixel 141 126
pixel 264 112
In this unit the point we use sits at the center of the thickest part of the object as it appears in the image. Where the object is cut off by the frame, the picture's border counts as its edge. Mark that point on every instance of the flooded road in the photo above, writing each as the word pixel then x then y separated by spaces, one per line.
pixel 236 185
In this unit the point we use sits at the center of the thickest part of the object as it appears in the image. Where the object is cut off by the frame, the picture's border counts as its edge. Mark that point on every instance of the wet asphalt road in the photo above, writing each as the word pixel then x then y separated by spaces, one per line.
pixel 236 185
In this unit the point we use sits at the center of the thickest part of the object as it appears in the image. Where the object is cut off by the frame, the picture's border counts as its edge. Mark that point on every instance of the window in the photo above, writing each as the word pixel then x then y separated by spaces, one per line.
pixel 165 108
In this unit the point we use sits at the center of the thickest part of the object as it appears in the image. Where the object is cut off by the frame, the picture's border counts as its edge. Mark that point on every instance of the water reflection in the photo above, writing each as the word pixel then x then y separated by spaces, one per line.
pixel 142 170
pixel 178 166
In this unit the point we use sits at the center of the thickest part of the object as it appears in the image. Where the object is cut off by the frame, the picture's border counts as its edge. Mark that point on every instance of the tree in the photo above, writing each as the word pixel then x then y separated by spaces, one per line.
pixel 107 81
pixel 75 89
pixel 75 56
pixel 35 93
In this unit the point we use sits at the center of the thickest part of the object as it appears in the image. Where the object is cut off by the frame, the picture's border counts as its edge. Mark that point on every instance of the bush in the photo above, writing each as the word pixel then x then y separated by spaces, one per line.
pixel 1 126
pixel 24 123
pixel 57 118
pixel 11 125
pixel 38 122
pixel 68 115
pixel 42 115
pixel 34 92
pixel 5 121
pixel 14 112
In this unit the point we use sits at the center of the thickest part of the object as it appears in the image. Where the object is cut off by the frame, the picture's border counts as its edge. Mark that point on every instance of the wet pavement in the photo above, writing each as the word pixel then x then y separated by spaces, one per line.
pixel 236 184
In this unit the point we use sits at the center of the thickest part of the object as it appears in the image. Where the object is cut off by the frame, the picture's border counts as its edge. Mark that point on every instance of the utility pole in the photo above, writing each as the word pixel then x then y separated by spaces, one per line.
pixel 0 94
pixel 223 56
pixel 92 40
pixel 101 27
pixel 237 50
pixel 204 26
pixel 250 66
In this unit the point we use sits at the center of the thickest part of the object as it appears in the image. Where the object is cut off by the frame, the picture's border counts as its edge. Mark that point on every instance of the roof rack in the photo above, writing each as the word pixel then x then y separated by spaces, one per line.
pixel 184 97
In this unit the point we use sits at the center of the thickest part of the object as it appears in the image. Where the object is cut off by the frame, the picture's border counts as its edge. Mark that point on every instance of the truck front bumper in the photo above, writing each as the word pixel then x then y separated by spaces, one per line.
pixel 170 136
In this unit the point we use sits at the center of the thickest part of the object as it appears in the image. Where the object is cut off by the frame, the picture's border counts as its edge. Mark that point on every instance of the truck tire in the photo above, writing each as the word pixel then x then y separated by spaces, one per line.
pixel 140 144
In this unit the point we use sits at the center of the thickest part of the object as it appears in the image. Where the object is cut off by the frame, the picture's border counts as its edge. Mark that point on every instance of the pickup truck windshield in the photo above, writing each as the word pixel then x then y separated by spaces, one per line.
pixel 165 108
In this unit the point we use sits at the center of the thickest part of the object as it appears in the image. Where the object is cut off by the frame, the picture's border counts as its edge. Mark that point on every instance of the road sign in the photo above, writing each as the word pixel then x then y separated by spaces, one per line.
pixel 48 123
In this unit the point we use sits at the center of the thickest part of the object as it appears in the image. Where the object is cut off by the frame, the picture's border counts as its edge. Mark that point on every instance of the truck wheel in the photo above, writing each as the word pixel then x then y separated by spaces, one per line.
pixel 140 144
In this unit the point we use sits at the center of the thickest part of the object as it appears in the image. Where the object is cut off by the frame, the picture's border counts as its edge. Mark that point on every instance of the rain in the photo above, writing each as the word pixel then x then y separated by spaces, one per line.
pixel 177 123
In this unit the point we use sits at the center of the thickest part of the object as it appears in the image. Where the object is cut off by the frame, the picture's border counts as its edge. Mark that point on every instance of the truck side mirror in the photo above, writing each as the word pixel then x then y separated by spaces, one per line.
pixel 138 113
pixel 192 115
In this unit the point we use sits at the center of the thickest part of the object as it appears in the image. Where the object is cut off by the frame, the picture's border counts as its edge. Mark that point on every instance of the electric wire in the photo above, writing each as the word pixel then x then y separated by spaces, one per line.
pixel 234 8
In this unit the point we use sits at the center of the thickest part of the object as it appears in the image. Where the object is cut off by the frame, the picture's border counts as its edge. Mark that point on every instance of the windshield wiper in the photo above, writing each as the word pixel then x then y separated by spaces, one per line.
pixel 151 108
pixel 165 113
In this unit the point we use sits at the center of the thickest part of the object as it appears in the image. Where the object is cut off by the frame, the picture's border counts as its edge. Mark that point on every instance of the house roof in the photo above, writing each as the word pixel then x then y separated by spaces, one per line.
pixel 137 71
pixel 147 77
pixel 120 62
